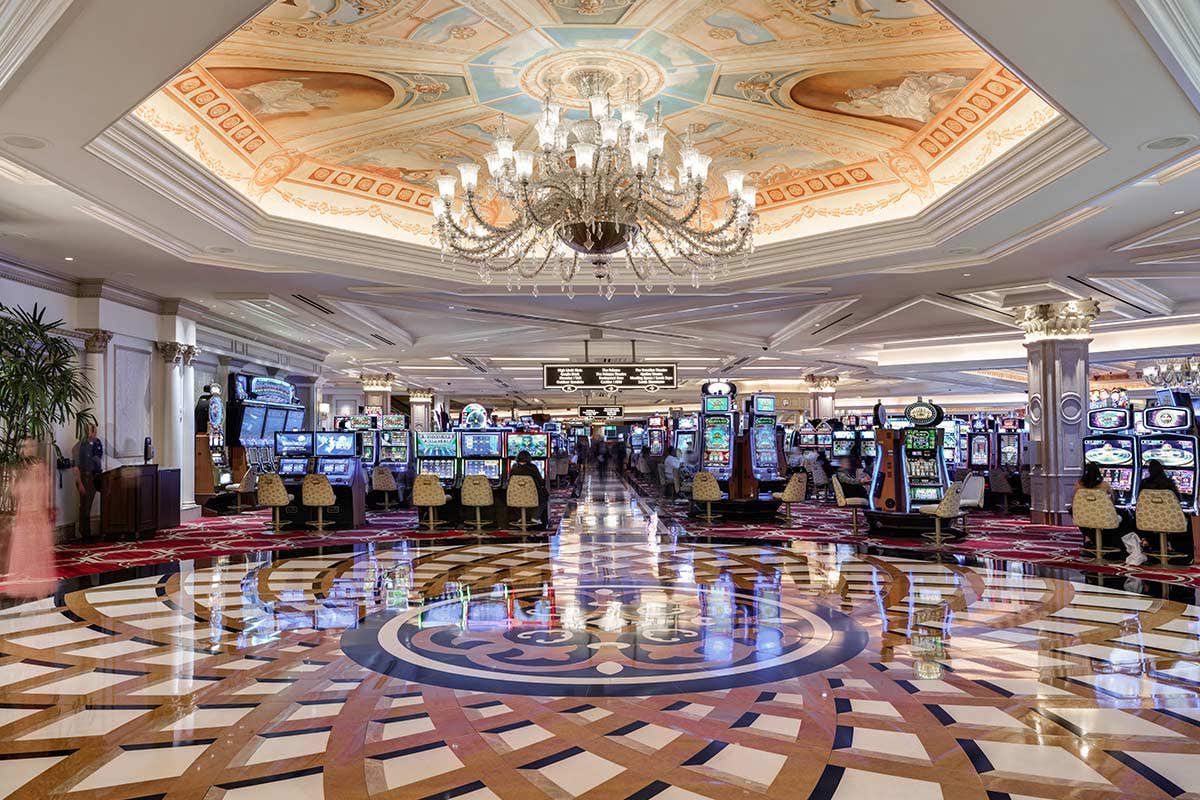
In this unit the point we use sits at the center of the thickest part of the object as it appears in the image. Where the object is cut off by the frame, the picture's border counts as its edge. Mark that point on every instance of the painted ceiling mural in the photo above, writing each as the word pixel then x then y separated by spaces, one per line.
pixel 842 112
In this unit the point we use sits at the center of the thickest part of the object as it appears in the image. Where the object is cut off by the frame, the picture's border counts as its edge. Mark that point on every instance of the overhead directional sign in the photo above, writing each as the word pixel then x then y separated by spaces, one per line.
pixel 608 412
pixel 609 377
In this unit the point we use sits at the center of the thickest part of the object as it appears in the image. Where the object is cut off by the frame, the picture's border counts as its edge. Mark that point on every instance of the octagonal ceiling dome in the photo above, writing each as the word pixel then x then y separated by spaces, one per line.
pixel 842 112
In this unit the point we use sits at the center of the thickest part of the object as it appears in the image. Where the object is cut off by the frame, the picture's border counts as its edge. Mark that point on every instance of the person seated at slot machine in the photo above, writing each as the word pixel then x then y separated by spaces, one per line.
pixel 524 466
pixel 1093 478
pixel 853 477
pixel 795 460
pixel 1157 477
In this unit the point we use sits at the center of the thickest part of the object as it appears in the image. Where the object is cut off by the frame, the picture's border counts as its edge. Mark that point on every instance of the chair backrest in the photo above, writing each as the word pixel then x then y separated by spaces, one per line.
pixel 838 492
pixel 382 479
pixel 1092 509
pixel 428 491
pixel 796 488
pixel 972 492
pixel 1158 511
pixel 705 487
pixel 1026 483
pixel 249 480
pixel 522 492
pixel 949 505
pixel 271 491
pixel 317 491
pixel 1000 482
pixel 477 491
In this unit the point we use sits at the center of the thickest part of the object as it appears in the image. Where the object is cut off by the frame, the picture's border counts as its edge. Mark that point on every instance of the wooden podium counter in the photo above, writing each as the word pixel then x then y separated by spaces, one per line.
pixel 137 500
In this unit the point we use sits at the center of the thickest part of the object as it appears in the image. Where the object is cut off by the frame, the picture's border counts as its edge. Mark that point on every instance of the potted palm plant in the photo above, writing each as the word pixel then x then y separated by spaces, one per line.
pixel 41 389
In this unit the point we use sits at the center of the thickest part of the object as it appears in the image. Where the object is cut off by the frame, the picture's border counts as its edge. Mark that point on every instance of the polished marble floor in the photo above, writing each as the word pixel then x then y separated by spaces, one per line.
pixel 612 660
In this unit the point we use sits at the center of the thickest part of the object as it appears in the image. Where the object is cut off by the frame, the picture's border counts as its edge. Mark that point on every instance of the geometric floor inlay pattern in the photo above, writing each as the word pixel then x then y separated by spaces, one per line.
pixel 777 670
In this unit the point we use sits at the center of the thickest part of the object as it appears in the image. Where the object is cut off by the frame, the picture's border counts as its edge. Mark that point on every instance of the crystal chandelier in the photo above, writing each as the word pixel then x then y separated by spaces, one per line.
pixel 595 191
pixel 1174 373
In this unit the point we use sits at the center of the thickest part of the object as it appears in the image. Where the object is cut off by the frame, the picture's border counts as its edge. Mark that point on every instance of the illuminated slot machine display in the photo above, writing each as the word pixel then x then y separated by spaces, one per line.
pixel 806 437
pixel 950 445
pixel 1008 443
pixel 685 437
pixel 1173 444
pixel 637 437
pixel 212 471
pixel 1112 447
pixel 867 443
pixel 843 443
pixel 717 439
pixel 825 439
pixel 764 449
pixel 368 446
pixel 980 450
pixel 482 454
pixel 536 444
pixel 924 469
pixel 336 453
pixel 656 436
pixel 393 448
pixel 437 454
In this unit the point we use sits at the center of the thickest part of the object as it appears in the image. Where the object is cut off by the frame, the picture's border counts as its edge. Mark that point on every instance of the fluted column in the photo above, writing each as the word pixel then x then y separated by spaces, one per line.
pixel 421 409
pixel 95 356
pixel 821 395
pixel 169 451
pixel 187 405
pixel 1056 341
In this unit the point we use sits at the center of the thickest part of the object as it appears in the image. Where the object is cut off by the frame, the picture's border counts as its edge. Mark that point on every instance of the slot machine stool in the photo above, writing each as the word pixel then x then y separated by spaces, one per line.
pixel 428 493
pixel 948 508
pixel 273 495
pixel 705 489
pixel 522 493
pixel 1158 511
pixel 852 503
pixel 1093 510
pixel 248 485
pixel 477 493
pixel 794 492
pixel 382 480
pixel 317 492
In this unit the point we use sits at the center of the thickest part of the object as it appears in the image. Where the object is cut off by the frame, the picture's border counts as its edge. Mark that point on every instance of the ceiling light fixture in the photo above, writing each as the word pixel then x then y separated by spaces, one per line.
pixel 1167 142
pixel 1178 212
pixel 594 189
pixel 68 258
pixel 25 142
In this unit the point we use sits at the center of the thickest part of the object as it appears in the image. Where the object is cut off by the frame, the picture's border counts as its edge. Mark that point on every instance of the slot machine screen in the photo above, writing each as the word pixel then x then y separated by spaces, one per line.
pixel 295 420
pixel 1109 419
pixel 979 451
pixel 1106 454
pixel 764 405
pixel 764 438
pixel 685 442
pixel 393 454
pixel 868 446
pixel 717 404
pixel 334 467
pixel 293 466
pixel 1170 453
pixel 842 445
pixel 536 444
pixel 541 465
pixel 334 443
pixel 443 469
pixel 825 439
pixel 1167 418
pixel 1121 480
pixel 921 440
pixel 275 419
pixel 293 444
pixel 716 441
pixel 437 444
pixel 1184 480
pixel 393 422
pixel 926 493
pixel 481 445
pixel 252 423
pixel 360 422
pixel 477 466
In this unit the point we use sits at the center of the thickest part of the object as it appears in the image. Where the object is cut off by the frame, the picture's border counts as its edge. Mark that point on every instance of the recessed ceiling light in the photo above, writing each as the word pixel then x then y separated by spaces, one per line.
pixel 1178 211
pixel 450 307
pixel 69 258
pixel 25 142
pixel 966 274
pixel 1167 143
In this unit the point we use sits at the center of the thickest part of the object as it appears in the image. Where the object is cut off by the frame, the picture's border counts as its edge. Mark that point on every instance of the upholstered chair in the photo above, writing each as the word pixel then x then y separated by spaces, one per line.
pixel 948 508
pixel 316 492
pixel 382 480
pixel 273 495
pixel 852 503
pixel 1001 486
pixel 428 493
pixel 522 494
pixel 971 498
pixel 705 489
pixel 793 492
pixel 1158 511
pixel 477 494
pixel 248 485
pixel 1093 510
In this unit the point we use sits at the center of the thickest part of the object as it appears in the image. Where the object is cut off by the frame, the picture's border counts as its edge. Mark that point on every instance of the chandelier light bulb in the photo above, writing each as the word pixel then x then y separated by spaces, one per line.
pixel 656 136
pixel 438 205
pixel 599 105
pixel 584 153
pixel 468 171
pixel 733 181
pixel 495 164
pixel 637 124
pixel 749 195
pixel 547 134
pixel 639 156
pixel 610 129
pixel 700 169
pixel 628 109
pixel 445 184
pixel 523 164
pixel 504 148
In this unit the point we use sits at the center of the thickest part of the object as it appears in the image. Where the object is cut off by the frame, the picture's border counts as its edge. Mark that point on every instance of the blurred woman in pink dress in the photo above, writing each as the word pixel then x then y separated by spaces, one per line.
pixel 31 572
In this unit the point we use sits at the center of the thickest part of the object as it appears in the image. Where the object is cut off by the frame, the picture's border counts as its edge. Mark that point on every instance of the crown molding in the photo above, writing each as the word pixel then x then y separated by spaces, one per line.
pixel 23 25
pixel 28 275
pixel 1172 28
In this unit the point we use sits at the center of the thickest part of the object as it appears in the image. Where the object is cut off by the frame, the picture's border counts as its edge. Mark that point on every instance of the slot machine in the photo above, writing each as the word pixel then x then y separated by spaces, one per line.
pixel 716 425
pixel 980 450
pixel 368 446
pixel 656 436
pixel 764 449
pixel 1112 447
pixel 843 444
pixel 866 441
pixel 482 453
pixel 1008 443
pixel 395 447
pixel 806 437
pixel 910 470
pixel 950 442
pixel 213 471
pixel 637 437
pixel 824 438
pixel 685 438
pixel 437 454
pixel 536 444
pixel 1173 444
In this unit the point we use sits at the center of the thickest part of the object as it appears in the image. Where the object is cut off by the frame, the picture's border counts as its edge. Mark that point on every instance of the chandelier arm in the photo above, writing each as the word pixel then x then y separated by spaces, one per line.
pixel 641 275
pixel 653 249
pixel 703 241
pixel 541 266
pixel 475 215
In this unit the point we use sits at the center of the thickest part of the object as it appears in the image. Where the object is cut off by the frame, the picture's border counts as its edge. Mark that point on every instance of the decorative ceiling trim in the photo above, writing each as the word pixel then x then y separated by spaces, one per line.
pixel 1165 235
pixel 23 25
pixel 1172 27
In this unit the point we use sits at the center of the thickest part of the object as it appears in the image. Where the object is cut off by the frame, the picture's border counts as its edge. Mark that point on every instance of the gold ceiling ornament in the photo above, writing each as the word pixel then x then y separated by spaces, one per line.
pixel 821 383
pixel 378 383
pixel 597 188
pixel 1067 320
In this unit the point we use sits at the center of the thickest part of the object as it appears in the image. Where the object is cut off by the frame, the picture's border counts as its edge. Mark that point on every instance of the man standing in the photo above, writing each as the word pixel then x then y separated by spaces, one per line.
pixel 89 463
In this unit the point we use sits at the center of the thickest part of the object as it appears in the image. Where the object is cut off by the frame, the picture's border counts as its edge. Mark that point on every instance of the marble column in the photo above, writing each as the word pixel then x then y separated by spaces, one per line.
pixel 421 408
pixel 821 396
pixel 378 391
pixel 187 404
pixel 95 357
pixel 1056 342
pixel 169 453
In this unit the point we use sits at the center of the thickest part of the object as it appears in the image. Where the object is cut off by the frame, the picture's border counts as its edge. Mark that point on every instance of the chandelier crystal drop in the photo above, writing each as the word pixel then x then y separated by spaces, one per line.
pixel 1182 372
pixel 598 195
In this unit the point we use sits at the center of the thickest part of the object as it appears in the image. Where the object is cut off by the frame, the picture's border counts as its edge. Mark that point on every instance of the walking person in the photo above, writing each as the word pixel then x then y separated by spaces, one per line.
pixel 31 572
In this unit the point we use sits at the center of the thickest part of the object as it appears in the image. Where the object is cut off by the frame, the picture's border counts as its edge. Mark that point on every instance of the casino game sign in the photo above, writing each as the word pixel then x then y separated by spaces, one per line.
pixel 923 414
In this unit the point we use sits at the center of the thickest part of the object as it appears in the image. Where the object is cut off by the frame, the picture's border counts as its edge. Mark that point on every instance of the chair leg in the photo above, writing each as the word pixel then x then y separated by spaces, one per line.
pixel 854 519
pixel 276 523
pixel 937 532
pixel 1099 552
pixel 524 523
pixel 387 501
pixel 478 520
pixel 320 523
pixel 1163 558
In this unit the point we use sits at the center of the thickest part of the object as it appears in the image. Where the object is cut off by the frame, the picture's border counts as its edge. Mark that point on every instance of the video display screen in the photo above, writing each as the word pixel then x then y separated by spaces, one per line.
pixel 334 443
pixel 1108 452
pixel 275 421
pixel 541 466
pixel 764 438
pixel 359 422
pixel 293 444
pixel 476 445
pixel 868 448
pixel 825 439
pixel 764 404
pixel 1119 478
pixel 437 444
pixel 252 422
pixel 293 466
pixel 981 451
pixel 1169 452
pixel 334 467
pixel 843 445
pixel 1109 419
pixel 295 420
pixel 536 444
pixel 443 469
pixel 393 454
pixel 394 422
pixel 476 466
pixel 1168 418
pixel 685 442
pixel 918 439
pixel 930 493
pixel 717 404
pixel 393 438
pixel 717 441
pixel 1184 480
